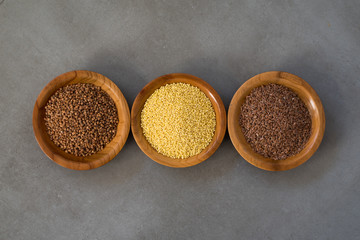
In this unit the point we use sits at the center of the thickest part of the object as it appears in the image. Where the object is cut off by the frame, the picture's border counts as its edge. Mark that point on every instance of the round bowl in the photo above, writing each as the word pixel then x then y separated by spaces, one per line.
pixel 306 93
pixel 110 150
pixel 145 94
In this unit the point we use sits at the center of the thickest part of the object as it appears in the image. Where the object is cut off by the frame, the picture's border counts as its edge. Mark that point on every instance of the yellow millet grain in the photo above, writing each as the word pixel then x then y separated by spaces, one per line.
pixel 178 120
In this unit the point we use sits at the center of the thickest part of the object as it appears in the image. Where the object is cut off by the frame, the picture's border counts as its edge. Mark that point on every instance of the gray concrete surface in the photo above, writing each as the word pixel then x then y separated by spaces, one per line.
pixel 223 42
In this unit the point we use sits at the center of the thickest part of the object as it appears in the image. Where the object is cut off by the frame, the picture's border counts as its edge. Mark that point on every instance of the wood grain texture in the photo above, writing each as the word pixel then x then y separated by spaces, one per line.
pixel 176 78
pixel 312 102
pixel 65 159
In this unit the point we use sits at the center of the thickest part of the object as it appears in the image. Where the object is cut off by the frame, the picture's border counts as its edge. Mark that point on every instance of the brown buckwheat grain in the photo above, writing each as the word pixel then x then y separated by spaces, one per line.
pixel 81 119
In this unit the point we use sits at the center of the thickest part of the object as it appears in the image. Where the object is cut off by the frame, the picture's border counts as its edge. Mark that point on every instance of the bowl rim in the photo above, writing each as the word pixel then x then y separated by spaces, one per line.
pixel 217 104
pixel 288 80
pixel 106 154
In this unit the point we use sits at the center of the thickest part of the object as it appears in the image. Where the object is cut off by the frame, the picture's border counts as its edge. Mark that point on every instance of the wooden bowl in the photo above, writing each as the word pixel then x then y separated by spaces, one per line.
pixel 176 78
pixel 68 160
pixel 312 102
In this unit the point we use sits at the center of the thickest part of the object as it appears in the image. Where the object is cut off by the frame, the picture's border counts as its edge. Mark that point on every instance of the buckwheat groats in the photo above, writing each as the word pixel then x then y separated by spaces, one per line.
pixel 81 119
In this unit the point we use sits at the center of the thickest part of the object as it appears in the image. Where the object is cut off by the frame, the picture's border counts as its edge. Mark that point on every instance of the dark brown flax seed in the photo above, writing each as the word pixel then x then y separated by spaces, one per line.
pixel 275 121
pixel 81 119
